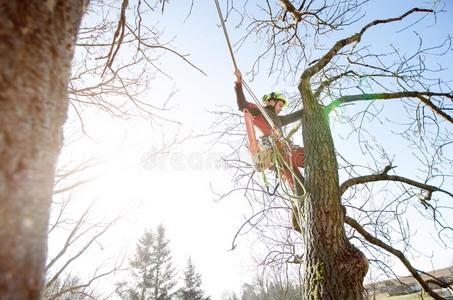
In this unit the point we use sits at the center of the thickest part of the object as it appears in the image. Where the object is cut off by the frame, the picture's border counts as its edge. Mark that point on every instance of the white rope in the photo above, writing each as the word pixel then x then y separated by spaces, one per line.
pixel 296 179
pixel 249 90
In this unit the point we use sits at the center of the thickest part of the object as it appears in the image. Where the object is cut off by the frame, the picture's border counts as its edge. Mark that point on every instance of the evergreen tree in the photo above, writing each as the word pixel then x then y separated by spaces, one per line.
pixel 163 272
pixel 192 280
pixel 152 269
pixel 142 264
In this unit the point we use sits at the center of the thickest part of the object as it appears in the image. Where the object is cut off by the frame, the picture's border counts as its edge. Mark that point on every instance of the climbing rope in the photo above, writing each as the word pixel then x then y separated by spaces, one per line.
pixel 225 32
pixel 296 200
pixel 249 90
pixel 279 161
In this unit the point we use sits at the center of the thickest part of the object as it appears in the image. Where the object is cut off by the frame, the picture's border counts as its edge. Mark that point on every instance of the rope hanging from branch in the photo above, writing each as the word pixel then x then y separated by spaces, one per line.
pixel 230 48
pixel 281 162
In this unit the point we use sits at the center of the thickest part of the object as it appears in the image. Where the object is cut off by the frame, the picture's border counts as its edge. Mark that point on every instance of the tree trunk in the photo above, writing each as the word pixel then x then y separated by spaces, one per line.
pixel 36 49
pixel 334 268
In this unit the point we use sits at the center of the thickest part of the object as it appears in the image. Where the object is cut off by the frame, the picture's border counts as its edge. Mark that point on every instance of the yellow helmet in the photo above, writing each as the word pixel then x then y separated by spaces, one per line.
pixel 274 96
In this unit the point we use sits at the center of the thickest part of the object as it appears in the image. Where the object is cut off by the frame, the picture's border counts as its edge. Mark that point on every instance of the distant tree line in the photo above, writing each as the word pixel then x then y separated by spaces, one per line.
pixel 269 291
pixel 277 282
pixel 153 275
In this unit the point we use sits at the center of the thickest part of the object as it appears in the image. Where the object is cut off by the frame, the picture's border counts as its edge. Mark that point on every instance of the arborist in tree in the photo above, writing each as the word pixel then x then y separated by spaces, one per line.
pixel 273 105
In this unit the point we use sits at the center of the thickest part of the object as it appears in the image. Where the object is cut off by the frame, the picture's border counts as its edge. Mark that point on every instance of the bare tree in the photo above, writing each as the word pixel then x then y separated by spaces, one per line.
pixel 37 49
pixel 36 52
pixel 73 235
pixel 275 284
pixel 117 59
pixel 71 288
pixel 370 206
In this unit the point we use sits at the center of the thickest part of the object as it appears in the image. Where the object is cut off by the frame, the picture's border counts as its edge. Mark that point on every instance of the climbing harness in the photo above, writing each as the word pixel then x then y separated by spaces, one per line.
pixel 274 151
pixel 261 152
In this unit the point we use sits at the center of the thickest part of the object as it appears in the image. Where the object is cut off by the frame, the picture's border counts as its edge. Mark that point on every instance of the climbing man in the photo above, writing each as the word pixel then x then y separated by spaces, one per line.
pixel 273 105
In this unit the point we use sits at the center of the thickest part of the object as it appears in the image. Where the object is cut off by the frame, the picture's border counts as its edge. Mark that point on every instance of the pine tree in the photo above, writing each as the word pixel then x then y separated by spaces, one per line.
pixel 192 280
pixel 142 264
pixel 152 269
pixel 163 272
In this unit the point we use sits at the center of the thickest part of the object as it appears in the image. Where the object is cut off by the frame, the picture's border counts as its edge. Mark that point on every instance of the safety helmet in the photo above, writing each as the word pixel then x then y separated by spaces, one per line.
pixel 274 96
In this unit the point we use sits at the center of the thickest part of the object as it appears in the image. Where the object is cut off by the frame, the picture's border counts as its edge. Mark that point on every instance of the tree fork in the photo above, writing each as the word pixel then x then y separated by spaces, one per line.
pixel 334 268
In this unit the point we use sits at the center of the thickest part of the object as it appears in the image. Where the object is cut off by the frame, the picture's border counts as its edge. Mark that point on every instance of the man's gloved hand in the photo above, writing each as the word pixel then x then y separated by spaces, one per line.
pixel 238 75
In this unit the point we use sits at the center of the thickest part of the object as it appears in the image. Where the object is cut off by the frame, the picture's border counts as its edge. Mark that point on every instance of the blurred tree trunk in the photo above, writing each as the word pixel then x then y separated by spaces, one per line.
pixel 36 49
pixel 334 268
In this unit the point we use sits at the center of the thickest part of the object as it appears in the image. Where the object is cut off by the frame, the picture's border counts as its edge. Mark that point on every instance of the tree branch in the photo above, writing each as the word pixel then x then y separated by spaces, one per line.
pixel 330 80
pixel 79 253
pixel 119 32
pixel 183 57
pixel 396 95
pixel 69 239
pixel 289 7
pixel 71 187
pixel 73 289
pixel 383 176
pixel 375 241
pixel 355 38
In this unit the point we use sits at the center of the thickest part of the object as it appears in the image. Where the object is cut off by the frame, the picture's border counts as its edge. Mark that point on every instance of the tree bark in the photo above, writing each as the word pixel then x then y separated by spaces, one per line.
pixel 334 268
pixel 36 48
